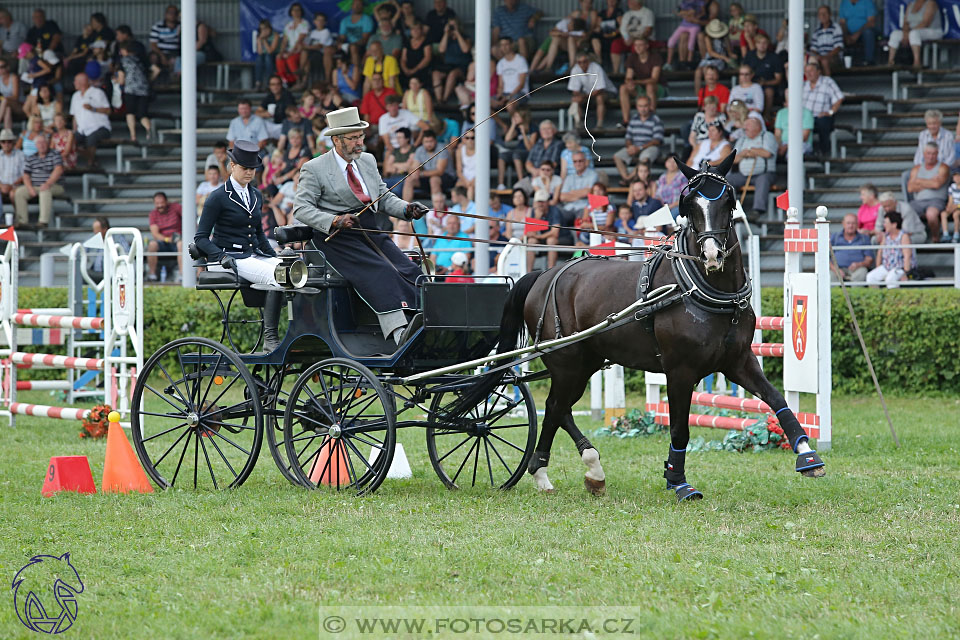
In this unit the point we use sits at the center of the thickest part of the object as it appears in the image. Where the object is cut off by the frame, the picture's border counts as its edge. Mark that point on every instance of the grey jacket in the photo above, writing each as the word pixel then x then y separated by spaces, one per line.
pixel 323 192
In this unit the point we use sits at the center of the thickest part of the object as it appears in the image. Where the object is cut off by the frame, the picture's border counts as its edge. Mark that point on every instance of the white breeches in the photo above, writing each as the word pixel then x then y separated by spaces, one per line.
pixel 256 269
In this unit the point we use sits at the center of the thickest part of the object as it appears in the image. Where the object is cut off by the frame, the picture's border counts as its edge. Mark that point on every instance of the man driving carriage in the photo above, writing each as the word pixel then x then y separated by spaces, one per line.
pixel 339 195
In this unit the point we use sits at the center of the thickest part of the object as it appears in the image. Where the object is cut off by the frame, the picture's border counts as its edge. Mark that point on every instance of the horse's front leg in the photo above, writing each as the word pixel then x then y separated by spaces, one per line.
pixel 679 387
pixel 748 374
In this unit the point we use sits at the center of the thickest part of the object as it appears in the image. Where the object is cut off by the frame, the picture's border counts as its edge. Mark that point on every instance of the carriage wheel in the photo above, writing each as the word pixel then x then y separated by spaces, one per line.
pixel 492 443
pixel 197 417
pixel 275 393
pixel 339 427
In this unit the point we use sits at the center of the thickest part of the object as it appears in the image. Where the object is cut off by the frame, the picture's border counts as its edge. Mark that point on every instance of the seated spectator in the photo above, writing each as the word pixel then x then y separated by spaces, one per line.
pixel 515 20
pixel 642 77
pixel 851 264
pixel 273 109
pixel 389 39
pixel 606 31
pixel 684 37
pixel 460 268
pixel 393 120
pixel 454 53
pixel 922 24
pixel 416 57
pixel 711 12
pixel 823 97
pixel 748 36
pixel 952 209
pixel 928 185
pixel 717 52
pixel 91 121
pixel 219 158
pixel 41 177
pixel 826 43
pixel 327 97
pixel 768 72
pixel 403 235
pixel 869 210
pixel 912 225
pixel 27 140
pixel 247 126
pixel 44 33
pixel 268 43
pixel 601 217
pixel 404 18
pixel 399 161
pixel 63 142
pixel 711 113
pixel 10 104
pixel 782 124
pixel 437 20
pixel 624 224
pixel 272 170
pixel 517 141
pixel 637 24
pixel 40 67
pixel 418 101
pixel 43 106
pixel 576 186
pixel 318 48
pixel 124 35
pixel 642 204
pixel 670 185
pixel 712 87
pixel 513 221
pixel 295 154
pixel 384 64
pixel 858 19
pixel 295 33
pixel 561 37
pixel 12 35
pixel 896 258
pixel 572 145
pixel 498 208
pixel 295 120
pixel 543 210
pixel 748 92
pixel 513 74
pixel 546 147
pixel 438 171
pixel 712 150
pixel 756 157
pixel 209 185
pixel 11 165
pixel 463 203
pixel 444 248
pixel 737 114
pixel 164 42
pixel 935 133
pixel 645 174
pixel 374 103
pixel 281 205
pixel 642 141
pixel 346 77
pixel 466 163
pixel 166 222
pixel 590 89
pixel 438 211
pixel 136 91
pixel 355 31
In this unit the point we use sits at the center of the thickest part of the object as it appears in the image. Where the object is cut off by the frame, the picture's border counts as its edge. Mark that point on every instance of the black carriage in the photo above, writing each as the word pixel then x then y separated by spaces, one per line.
pixel 331 398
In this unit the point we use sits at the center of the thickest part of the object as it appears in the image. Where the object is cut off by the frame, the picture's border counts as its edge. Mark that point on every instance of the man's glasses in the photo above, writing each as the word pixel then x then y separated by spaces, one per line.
pixel 356 138
pixel 579 161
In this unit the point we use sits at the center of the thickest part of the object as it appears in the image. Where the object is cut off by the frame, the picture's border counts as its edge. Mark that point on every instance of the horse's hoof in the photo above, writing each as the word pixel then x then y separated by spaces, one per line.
pixel 687 492
pixel 596 487
pixel 810 465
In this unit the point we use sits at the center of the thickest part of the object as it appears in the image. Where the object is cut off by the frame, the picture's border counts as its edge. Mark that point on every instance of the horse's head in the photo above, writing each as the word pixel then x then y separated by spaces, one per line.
pixel 707 205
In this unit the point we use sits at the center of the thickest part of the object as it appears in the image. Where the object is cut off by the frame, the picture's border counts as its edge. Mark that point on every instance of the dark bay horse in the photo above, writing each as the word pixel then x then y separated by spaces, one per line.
pixel 709 328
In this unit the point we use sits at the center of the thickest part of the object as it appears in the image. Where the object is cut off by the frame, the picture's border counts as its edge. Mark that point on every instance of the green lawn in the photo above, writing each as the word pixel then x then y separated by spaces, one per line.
pixel 869 551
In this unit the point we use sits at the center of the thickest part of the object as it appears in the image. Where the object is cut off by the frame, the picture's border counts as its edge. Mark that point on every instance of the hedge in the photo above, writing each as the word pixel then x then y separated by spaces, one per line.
pixel 912 334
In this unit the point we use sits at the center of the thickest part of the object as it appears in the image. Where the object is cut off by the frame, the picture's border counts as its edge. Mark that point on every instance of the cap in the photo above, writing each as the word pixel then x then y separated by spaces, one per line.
pixel 459 258
pixel 541 196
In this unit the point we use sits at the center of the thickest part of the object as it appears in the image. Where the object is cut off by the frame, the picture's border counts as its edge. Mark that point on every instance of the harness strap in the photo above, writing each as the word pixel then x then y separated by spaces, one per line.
pixel 551 298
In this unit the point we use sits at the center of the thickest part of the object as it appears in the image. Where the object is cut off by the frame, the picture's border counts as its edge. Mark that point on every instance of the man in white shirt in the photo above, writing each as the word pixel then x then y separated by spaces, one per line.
pixel 11 165
pixel 637 24
pixel 593 85
pixel 513 76
pixel 91 117
pixel 247 126
pixel 393 120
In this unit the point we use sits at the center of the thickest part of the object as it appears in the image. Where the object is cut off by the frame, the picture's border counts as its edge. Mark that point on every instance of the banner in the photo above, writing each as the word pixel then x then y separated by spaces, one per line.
pixel 949 16
pixel 277 12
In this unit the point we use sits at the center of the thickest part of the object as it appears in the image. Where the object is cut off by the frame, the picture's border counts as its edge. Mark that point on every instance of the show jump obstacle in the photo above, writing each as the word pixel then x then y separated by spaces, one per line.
pixel 805 323
pixel 116 335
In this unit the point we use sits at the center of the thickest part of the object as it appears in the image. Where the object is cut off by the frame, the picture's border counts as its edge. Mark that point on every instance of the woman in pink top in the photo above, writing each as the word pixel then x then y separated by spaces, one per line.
pixel 867 214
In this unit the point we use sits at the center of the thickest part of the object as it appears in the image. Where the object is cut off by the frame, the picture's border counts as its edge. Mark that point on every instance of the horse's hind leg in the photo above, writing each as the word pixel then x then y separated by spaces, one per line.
pixel 748 374
pixel 679 386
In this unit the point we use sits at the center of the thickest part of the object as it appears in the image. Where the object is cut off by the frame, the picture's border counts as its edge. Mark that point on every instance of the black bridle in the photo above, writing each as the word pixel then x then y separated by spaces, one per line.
pixel 719 236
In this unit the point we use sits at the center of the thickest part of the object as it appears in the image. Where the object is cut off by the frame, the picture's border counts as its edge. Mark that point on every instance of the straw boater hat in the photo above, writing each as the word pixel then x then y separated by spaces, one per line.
pixel 344 121
pixel 716 29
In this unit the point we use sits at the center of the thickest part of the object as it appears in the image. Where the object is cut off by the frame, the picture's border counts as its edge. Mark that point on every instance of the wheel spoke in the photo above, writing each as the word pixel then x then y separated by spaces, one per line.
pixel 209 466
pixel 163 433
pixel 464 461
pixel 223 457
pixel 173 384
pixel 223 437
pixel 376 444
pixel 183 371
pixel 505 466
pixel 373 398
pixel 157 463
pixel 476 459
pixel 359 454
pixel 165 398
pixel 206 391
pixel 196 451
pixel 486 453
pixel 228 424
pixel 182 453
pixel 508 426
pixel 224 390
pixel 507 442
pixel 462 442
pixel 304 416
pixel 332 416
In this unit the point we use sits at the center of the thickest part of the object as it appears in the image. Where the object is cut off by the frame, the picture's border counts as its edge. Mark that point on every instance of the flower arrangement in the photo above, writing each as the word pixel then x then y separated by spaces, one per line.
pixel 634 423
pixel 96 423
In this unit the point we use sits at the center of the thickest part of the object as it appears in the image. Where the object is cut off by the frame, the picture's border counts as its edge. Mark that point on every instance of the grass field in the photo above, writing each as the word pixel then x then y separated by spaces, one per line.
pixel 869 551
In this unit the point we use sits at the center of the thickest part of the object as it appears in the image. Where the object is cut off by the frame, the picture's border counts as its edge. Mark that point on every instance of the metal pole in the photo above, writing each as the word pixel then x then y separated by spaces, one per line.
pixel 188 134
pixel 481 193
pixel 795 114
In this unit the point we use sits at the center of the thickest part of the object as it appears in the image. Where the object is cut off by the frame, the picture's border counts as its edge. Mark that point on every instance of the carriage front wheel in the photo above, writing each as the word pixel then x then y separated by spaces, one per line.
pixel 339 427
pixel 196 416
pixel 490 444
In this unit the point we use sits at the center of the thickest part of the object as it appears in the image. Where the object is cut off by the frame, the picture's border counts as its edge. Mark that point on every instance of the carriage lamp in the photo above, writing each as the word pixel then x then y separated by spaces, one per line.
pixel 291 273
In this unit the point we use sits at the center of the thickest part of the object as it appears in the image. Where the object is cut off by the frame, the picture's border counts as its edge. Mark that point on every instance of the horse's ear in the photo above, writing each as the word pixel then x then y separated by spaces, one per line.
pixel 727 164
pixel 689 172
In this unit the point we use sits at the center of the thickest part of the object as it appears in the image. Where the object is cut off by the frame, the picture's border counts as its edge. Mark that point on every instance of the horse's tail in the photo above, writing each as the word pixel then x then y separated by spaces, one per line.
pixel 511 327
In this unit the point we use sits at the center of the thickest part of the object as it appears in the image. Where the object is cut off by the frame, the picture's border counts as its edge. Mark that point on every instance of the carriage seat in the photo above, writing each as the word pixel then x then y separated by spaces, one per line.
pixel 215 280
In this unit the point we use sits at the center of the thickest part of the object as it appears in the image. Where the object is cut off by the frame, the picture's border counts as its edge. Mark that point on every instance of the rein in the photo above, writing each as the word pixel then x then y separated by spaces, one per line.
pixel 548 226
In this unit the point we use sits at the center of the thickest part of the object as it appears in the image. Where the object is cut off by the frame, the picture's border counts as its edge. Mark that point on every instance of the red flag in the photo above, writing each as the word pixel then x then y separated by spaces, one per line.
pixel 605 249
pixel 8 234
pixel 535 225
pixel 783 200
pixel 598 202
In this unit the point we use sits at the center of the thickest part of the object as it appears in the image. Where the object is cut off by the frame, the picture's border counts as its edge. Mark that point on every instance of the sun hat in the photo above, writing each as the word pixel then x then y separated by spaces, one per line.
pixel 346 120
pixel 459 258
pixel 717 29
pixel 7 134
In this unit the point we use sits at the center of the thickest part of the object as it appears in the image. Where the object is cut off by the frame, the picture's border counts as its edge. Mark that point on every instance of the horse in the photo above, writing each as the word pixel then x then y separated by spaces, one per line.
pixel 707 325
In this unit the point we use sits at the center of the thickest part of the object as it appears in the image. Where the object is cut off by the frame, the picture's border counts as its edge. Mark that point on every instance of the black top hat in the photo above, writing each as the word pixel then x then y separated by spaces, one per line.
pixel 246 154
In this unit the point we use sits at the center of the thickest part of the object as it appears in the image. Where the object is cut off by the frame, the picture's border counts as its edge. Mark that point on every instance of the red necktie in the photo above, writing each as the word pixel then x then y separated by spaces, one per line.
pixel 355 185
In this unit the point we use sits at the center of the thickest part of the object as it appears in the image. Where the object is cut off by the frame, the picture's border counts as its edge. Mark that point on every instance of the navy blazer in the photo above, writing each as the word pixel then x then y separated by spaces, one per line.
pixel 236 230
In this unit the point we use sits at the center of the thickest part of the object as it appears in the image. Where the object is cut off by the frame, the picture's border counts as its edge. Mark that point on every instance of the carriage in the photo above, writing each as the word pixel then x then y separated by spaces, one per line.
pixel 332 397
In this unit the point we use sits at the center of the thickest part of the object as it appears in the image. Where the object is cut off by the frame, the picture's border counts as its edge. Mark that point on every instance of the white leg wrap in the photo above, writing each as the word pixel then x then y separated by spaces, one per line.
pixel 543 482
pixel 591 458
pixel 804 447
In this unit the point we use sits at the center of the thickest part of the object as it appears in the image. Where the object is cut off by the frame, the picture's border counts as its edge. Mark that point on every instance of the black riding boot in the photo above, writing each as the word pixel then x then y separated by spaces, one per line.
pixel 271 320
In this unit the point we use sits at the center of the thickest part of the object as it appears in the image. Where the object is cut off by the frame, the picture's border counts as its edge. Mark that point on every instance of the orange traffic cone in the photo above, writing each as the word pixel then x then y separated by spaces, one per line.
pixel 333 473
pixel 121 469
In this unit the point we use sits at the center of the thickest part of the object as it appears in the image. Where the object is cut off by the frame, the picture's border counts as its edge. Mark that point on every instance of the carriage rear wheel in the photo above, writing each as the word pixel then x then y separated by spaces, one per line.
pixel 196 416
pixel 339 427
pixel 490 444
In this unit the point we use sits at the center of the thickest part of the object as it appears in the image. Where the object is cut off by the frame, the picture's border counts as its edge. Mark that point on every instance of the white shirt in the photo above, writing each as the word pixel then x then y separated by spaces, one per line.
pixel 242 191
pixel 752 96
pixel 634 22
pixel 356 171
pixel 320 36
pixel 584 83
pixel 510 71
pixel 387 124
pixel 89 121
pixel 206 188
